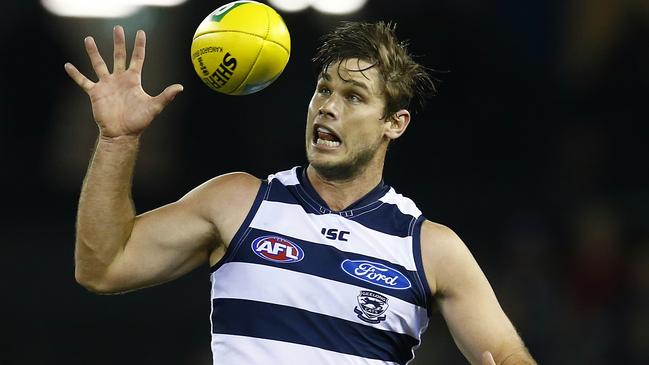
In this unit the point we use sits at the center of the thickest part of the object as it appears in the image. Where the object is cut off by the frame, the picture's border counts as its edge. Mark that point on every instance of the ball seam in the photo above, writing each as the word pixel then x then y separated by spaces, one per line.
pixel 252 67
pixel 248 33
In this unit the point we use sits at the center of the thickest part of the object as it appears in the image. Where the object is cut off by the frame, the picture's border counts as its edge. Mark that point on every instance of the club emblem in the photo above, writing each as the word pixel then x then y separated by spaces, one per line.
pixel 371 306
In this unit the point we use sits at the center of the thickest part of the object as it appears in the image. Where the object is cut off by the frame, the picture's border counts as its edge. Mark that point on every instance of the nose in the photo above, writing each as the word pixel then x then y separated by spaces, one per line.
pixel 329 108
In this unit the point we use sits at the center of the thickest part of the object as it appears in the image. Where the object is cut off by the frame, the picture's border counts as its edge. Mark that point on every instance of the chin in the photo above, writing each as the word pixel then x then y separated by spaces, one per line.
pixel 341 166
pixel 335 169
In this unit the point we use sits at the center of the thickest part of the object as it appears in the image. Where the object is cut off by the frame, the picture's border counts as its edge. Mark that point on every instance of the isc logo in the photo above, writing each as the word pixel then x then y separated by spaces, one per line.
pixel 277 249
pixel 334 234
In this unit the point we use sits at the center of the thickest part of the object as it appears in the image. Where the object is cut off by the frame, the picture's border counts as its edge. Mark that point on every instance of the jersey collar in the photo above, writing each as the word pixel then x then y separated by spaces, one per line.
pixel 367 202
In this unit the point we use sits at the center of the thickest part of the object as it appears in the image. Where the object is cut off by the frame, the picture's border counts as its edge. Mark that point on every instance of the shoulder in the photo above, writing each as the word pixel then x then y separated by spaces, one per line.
pixel 232 190
pixel 439 242
pixel 444 254
pixel 224 201
pixel 437 234
pixel 232 183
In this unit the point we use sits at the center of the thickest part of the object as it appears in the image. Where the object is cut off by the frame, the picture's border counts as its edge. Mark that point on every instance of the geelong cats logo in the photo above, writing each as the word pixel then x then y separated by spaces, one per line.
pixel 371 306
pixel 277 249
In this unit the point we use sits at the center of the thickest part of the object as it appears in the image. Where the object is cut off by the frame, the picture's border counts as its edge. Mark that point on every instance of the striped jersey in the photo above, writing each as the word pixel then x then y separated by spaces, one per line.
pixel 302 284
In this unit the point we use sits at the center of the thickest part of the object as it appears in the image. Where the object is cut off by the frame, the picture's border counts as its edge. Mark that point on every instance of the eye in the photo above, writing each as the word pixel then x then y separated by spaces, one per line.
pixel 324 90
pixel 354 98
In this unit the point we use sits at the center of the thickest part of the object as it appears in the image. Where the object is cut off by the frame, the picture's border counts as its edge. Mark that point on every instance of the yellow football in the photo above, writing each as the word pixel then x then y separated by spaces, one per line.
pixel 241 47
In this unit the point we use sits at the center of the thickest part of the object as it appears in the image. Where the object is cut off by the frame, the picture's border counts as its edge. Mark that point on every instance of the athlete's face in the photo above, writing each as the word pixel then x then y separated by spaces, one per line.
pixel 345 123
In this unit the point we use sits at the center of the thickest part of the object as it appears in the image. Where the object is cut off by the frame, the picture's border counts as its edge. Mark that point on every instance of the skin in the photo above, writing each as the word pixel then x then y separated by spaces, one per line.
pixel 353 110
pixel 118 251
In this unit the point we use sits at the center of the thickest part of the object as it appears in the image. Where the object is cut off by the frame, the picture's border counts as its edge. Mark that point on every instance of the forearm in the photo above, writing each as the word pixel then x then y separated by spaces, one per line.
pixel 518 357
pixel 105 214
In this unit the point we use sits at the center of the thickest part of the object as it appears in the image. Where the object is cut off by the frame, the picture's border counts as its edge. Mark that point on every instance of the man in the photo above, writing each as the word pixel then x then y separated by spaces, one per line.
pixel 324 264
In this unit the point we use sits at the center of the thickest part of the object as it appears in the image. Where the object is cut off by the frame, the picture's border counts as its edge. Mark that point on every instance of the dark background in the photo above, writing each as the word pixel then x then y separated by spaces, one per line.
pixel 534 152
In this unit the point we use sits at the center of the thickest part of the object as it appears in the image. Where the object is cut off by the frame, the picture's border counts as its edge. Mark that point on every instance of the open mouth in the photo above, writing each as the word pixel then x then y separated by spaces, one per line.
pixel 325 137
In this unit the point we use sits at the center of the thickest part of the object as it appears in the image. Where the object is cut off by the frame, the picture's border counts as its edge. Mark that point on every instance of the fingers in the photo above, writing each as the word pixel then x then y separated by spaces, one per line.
pixel 119 62
pixel 97 62
pixel 166 96
pixel 137 58
pixel 119 49
pixel 78 77
pixel 487 358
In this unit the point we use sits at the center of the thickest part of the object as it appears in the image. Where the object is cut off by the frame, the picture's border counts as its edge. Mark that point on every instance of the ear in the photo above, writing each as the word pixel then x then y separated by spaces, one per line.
pixel 396 124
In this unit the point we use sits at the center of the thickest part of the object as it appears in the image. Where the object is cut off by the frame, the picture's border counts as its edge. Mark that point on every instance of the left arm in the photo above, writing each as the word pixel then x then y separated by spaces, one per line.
pixel 474 317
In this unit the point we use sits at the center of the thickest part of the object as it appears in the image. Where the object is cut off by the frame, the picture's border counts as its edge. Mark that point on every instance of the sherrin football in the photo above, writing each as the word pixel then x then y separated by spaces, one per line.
pixel 241 48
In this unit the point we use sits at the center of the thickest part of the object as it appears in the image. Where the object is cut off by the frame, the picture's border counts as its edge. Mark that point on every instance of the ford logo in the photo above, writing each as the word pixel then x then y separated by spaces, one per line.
pixel 375 273
pixel 277 249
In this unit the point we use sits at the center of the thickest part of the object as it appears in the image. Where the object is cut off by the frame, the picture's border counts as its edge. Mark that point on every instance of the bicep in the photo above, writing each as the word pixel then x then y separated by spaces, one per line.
pixel 165 243
pixel 466 300
pixel 170 241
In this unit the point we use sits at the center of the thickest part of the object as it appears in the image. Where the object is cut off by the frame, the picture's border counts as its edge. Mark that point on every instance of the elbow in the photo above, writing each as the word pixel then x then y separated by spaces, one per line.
pixel 89 283
pixel 90 271
pixel 94 284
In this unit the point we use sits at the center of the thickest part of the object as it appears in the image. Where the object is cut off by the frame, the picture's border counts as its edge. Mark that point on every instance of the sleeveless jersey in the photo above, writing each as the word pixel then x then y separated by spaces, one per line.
pixel 302 284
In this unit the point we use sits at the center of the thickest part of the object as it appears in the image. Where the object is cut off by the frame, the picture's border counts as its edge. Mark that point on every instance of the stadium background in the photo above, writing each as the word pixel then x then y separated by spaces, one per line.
pixel 535 152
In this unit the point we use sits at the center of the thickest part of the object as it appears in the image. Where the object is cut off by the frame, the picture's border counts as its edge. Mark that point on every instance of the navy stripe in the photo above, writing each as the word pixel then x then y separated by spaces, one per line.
pixel 419 263
pixel 287 324
pixel 324 261
pixel 386 218
pixel 289 194
pixel 244 228
pixel 378 216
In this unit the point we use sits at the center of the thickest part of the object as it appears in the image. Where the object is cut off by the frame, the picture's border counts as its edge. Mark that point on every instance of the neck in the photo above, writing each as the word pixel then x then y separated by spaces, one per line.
pixel 339 194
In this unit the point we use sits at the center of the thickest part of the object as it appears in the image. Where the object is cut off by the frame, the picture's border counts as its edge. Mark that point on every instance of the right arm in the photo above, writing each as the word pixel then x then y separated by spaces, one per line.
pixel 116 250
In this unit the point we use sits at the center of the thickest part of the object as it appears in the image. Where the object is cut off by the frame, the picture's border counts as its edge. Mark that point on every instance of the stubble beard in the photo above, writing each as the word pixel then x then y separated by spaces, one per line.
pixel 348 169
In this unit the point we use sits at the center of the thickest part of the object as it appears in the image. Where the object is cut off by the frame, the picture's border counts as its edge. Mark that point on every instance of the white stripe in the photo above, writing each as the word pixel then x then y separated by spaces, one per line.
pixel 293 221
pixel 311 293
pixel 241 350
pixel 405 205
pixel 288 177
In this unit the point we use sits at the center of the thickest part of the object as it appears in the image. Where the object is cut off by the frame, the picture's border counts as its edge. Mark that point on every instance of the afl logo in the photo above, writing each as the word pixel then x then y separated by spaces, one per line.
pixel 277 249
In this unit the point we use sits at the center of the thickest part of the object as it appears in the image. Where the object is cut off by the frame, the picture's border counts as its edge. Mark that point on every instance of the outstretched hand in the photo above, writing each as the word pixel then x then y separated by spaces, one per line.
pixel 119 104
pixel 487 359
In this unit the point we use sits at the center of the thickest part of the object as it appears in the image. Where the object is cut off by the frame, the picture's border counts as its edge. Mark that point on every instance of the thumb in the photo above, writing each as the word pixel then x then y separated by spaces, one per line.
pixel 167 95
pixel 487 358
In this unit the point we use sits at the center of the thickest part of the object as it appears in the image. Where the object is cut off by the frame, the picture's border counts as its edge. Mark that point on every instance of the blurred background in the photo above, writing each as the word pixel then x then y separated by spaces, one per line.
pixel 534 152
